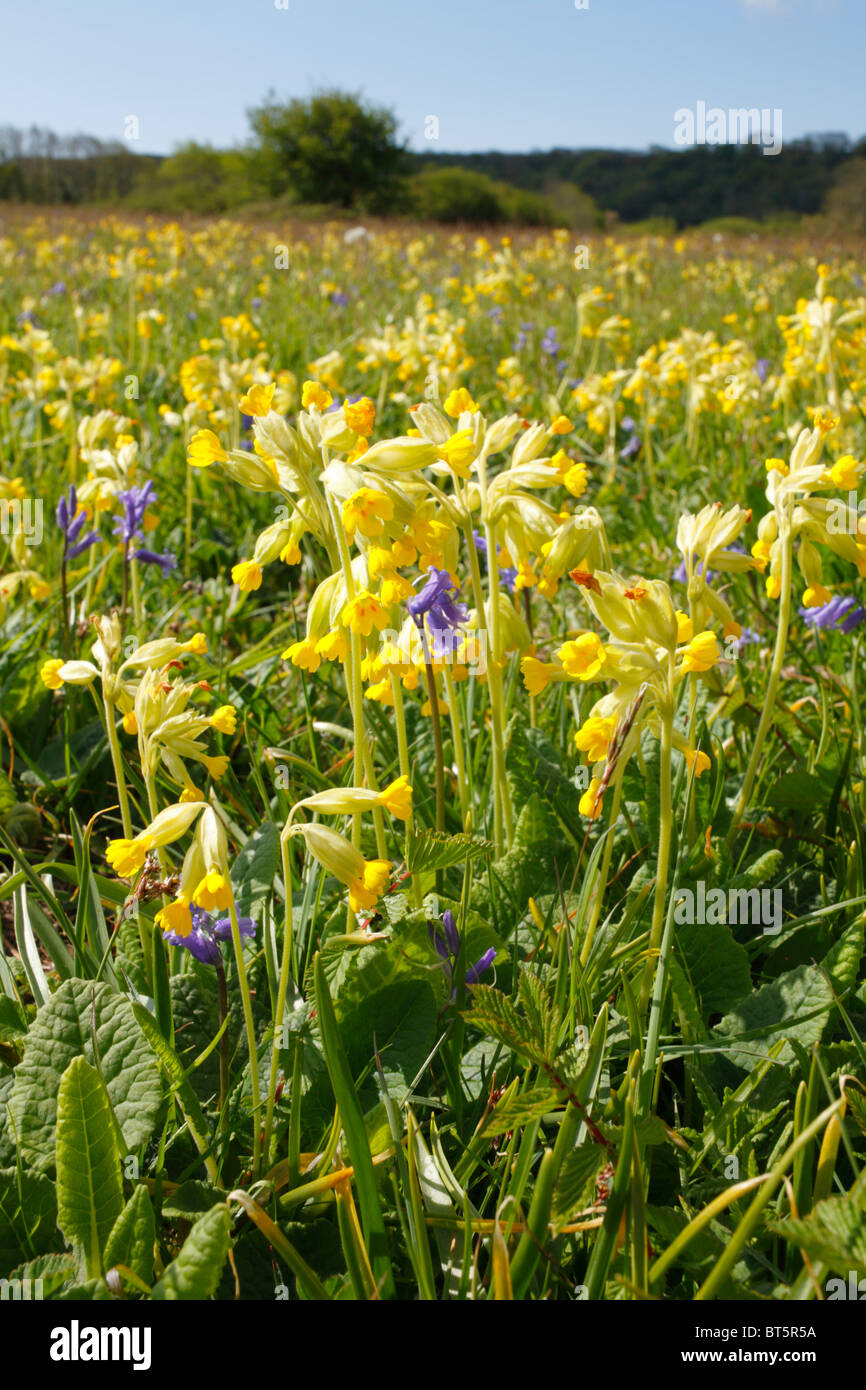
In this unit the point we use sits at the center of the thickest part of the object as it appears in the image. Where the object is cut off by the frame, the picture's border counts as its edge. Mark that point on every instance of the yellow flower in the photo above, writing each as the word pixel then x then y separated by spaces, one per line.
pixel 584 657
pixel 360 415
pixel 457 401
pixel 773 586
pixel 365 511
pixel 363 613
pixel 825 421
pixel 364 892
pixel 212 892
pixel 216 766
pixel 458 452
pixel 291 553
pixel 191 793
pixel 776 466
pixel 590 802
pixel 204 449
pixel 247 574
pixel 332 647
pixel 576 478
pixel 257 400
pixel 126 856
pixel 816 596
pixel 175 917
pixel 845 471
pixel 685 628
pixel 699 761
pixel 397 799
pixel 48 672
pixel 594 736
pixel 537 675
pixel 303 654
pixel 197 644
pixel 561 425
pixel 313 393
pixel 225 719
pixel 130 723
pixel 702 652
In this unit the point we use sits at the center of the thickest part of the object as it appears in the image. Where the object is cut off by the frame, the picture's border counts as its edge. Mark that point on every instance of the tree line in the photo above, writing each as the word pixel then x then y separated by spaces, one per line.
pixel 336 151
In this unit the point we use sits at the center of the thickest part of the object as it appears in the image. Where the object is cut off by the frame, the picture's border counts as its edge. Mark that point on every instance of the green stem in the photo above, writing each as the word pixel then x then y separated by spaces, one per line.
pixel 117 763
pixel 774 678
pixel 666 820
pixel 249 1025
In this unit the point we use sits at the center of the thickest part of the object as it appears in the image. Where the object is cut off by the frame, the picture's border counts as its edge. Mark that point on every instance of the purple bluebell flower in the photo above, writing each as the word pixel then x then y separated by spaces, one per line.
pixel 550 343
pixel 255 303
pixel 59 287
pixel 202 941
pixel 339 299
pixel 27 317
pixel 130 526
pixel 435 602
pixel 839 614
pixel 628 424
pixel 74 544
pixel 446 941
pixel 749 638
pixel 762 367
pixel 631 447
pixel 495 314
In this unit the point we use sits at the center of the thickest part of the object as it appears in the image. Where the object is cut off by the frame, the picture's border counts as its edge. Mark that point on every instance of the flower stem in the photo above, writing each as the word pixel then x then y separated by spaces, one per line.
pixel 250 1027
pixel 666 819
pixel 774 678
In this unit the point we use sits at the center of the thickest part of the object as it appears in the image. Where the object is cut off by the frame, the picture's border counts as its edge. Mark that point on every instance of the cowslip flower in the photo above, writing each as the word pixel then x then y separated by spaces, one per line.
pixel 366 511
pixel 584 657
pixel 205 449
pixel 702 652
pixel 258 399
pixel 364 612
pixel 364 878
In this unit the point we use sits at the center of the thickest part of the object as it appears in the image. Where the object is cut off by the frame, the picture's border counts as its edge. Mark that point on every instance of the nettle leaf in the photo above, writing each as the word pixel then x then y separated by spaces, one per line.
pixel 494 1014
pixel 517 1108
pixel 132 1236
pixel 535 765
pixel 195 1273
pixel 61 1032
pixel 253 870
pixel 578 1171
pixel 432 849
pixel 28 1217
pixel 842 961
pixel 89 1182
pixel 833 1232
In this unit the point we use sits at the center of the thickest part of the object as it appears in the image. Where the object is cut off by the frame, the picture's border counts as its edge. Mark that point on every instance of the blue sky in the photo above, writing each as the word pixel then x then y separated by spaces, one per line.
pixel 498 74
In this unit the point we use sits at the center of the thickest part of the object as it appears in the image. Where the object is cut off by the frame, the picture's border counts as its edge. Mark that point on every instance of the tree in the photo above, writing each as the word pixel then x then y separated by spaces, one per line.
pixel 331 148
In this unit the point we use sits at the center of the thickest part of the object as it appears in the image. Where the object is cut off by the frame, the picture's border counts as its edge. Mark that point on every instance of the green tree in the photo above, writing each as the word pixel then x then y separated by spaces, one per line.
pixel 332 148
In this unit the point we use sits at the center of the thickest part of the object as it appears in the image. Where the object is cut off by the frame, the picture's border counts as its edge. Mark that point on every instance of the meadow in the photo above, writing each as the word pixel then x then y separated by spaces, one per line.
pixel 432 777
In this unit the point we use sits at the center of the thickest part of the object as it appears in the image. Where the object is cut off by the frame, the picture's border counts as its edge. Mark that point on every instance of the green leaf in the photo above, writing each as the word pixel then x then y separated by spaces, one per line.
pixel 578 1171
pixel 716 965
pixel 132 1236
pixel 28 1217
pixel 834 1232
pixel 52 1271
pixel 797 791
pixel 89 1184
pixel 60 1032
pixel 432 849
pixel 195 1273
pixel 254 868
pixel 517 1108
